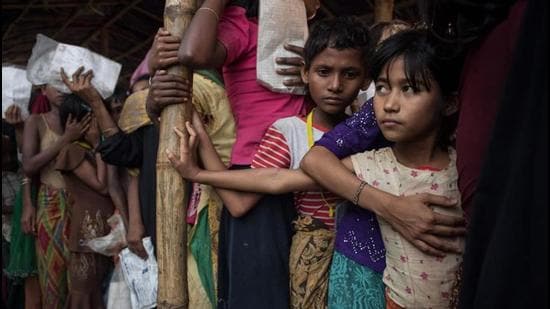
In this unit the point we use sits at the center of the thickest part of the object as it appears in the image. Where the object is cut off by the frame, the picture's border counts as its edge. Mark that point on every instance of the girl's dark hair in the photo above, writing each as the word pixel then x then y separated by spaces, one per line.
pixel 251 7
pixel 423 64
pixel 340 33
pixel 72 105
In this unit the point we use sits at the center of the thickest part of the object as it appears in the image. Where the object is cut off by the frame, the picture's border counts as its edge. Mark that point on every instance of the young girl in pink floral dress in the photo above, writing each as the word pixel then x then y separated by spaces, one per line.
pixel 414 105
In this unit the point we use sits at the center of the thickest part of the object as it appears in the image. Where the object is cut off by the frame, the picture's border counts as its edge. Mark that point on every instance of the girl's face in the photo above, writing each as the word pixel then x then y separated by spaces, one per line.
pixel 54 96
pixel 334 78
pixel 405 114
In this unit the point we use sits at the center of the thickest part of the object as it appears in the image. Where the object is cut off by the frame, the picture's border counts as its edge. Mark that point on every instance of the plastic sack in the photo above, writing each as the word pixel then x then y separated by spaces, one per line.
pixel 279 22
pixel 112 243
pixel 141 276
pixel 118 294
pixel 49 56
pixel 16 89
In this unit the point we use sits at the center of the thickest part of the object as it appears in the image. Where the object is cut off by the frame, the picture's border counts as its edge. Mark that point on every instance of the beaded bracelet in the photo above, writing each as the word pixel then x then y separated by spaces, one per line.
pixel 355 199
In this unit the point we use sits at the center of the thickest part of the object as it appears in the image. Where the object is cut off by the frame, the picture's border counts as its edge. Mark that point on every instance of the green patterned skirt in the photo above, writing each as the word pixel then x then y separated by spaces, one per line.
pixel 22 262
pixel 354 286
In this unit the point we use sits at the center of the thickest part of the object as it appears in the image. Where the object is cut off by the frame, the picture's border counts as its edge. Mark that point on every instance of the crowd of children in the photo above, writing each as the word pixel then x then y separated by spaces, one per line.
pixel 294 203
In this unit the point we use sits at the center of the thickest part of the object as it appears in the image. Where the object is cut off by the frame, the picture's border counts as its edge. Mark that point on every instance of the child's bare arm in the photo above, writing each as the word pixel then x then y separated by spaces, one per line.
pixel 116 192
pixel 237 202
pixel 262 180
pixel 95 178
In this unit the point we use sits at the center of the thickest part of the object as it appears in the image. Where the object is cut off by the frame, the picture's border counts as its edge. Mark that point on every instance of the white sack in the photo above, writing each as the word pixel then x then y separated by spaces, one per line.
pixel 48 56
pixel 279 22
pixel 16 89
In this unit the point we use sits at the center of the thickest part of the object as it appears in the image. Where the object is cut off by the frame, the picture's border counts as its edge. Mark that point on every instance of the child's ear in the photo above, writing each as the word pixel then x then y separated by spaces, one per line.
pixel 305 75
pixel 451 105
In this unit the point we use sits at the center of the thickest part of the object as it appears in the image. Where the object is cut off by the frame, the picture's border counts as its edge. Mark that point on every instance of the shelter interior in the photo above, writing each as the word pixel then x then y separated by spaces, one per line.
pixel 122 30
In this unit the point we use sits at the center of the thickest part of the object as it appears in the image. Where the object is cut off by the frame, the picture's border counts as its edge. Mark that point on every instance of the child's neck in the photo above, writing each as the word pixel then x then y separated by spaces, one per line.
pixel 326 120
pixel 421 154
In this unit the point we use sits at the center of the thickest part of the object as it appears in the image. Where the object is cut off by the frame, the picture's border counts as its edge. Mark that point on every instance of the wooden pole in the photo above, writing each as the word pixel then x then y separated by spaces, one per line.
pixel 383 10
pixel 171 193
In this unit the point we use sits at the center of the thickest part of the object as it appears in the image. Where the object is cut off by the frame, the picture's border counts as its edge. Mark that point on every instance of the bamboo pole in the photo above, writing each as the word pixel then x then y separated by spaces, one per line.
pixel 383 10
pixel 171 193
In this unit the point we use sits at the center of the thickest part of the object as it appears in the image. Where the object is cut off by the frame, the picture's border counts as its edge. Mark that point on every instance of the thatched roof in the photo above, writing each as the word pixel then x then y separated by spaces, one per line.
pixel 120 30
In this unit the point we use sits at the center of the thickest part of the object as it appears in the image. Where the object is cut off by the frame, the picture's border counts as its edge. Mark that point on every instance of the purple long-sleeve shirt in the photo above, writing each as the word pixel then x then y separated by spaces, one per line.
pixel 358 233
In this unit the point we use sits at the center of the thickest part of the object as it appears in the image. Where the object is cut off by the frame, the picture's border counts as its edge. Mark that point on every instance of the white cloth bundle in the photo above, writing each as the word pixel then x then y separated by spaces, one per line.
pixel 49 56
pixel 16 89
pixel 279 22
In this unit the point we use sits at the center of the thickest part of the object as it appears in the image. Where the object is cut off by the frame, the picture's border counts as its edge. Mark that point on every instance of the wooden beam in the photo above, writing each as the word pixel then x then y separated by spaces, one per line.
pixel 105 43
pixel 110 22
pixel 48 5
pixel 69 21
pixel 172 192
pixel 18 19
pixel 148 14
pixel 383 10
pixel 147 42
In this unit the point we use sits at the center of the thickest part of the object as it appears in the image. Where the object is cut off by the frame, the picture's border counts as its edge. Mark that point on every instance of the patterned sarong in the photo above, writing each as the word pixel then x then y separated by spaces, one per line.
pixel 51 246
pixel 310 257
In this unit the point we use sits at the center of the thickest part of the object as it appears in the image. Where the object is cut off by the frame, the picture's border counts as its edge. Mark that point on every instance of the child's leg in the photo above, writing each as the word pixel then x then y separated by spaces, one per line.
pixel 86 273
pixel 32 293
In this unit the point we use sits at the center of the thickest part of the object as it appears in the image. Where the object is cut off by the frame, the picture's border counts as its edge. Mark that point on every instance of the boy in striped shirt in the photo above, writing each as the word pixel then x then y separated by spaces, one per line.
pixel 335 62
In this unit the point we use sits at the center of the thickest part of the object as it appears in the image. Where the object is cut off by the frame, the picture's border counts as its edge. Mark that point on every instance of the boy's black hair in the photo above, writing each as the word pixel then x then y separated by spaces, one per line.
pixel 423 63
pixel 340 33
pixel 72 105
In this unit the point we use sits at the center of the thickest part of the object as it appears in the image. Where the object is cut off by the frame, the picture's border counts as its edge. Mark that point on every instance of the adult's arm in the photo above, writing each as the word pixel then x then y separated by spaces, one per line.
pixel 200 47
pixel 411 216
pixel 123 149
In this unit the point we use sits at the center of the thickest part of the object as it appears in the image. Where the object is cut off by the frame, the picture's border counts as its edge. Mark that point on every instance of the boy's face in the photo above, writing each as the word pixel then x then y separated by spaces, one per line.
pixel 405 114
pixel 334 78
